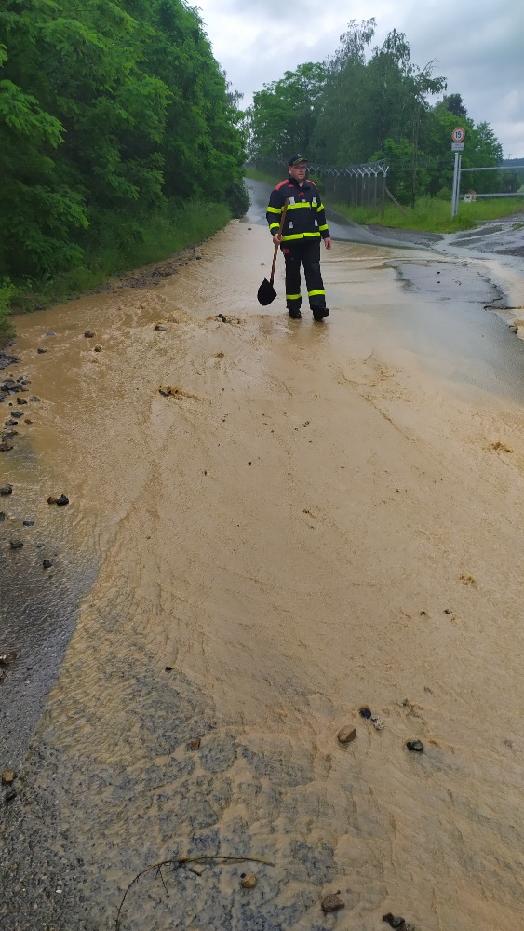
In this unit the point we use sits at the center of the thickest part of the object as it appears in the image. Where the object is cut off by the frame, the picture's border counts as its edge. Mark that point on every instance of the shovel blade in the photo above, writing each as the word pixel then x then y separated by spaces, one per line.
pixel 266 292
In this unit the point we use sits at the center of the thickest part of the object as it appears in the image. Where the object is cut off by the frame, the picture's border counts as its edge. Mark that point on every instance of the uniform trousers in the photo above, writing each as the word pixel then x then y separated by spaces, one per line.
pixel 306 253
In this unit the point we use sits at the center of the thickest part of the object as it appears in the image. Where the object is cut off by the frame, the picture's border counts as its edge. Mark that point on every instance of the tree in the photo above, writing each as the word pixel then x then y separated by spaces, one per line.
pixel 371 103
pixel 284 113
pixel 455 104
pixel 107 111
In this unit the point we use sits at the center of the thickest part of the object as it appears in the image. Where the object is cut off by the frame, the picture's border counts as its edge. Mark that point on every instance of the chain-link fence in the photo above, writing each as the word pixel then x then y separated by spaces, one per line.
pixel 510 185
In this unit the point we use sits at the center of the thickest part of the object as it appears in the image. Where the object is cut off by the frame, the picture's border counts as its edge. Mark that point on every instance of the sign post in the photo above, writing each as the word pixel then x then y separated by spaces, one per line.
pixel 457 146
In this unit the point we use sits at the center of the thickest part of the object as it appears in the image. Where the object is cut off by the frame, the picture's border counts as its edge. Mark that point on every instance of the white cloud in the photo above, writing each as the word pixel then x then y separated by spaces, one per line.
pixel 476 44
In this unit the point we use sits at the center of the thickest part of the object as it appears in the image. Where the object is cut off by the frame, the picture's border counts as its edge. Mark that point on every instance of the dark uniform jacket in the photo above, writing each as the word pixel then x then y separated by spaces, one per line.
pixel 306 216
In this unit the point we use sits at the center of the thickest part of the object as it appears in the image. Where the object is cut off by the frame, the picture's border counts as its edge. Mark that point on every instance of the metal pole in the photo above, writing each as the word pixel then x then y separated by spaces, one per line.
pixel 455 186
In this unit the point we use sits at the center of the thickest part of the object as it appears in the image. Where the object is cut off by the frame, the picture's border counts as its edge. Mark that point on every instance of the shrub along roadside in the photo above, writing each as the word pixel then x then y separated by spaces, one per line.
pixel 119 248
pixel 6 329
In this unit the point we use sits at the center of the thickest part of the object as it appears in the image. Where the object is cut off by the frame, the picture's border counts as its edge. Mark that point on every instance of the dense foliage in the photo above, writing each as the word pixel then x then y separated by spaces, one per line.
pixel 111 112
pixel 368 103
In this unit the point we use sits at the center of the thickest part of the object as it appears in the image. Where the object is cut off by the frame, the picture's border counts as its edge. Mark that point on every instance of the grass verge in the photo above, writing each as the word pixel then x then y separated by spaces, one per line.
pixel 114 248
pixel 256 175
pixel 432 215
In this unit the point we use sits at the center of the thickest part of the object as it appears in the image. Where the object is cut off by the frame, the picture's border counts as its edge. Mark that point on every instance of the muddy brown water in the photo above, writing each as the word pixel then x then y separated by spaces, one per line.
pixel 320 518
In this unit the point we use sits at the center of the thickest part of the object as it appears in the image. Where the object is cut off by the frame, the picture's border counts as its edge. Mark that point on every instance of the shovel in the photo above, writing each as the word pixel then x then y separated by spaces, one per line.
pixel 266 291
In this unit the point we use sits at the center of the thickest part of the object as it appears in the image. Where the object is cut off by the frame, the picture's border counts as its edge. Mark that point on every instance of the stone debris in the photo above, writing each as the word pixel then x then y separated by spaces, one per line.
pixel 47 563
pixel 5 447
pixel 369 715
pixel 347 734
pixel 6 490
pixel 416 746
pixel 7 659
pixel 160 327
pixel 10 795
pixel 15 544
pixel 332 902
pixel 6 360
pixel 8 777
pixel 89 334
pixel 173 391
pixel 248 880
pixel 61 501
pixel 224 318
pixel 193 744
pixel 468 579
pixel 396 921
pixel 41 350
pixel 500 447
pixel 28 522
pixel 98 348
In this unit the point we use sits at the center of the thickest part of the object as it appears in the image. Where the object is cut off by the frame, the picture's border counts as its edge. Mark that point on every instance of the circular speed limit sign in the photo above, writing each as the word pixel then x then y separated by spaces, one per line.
pixel 458 135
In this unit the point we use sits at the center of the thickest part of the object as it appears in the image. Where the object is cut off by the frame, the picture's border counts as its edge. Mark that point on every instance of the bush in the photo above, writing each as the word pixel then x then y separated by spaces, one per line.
pixel 238 198
pixel 115 245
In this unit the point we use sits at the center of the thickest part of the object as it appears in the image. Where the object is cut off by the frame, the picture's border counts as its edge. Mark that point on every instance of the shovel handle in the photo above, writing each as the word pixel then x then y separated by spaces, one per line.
pixel 280 228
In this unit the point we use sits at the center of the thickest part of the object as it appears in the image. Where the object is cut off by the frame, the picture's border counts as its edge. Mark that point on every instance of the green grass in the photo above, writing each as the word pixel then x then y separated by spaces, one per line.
pixel 433 215
pixel 256 175
pixel 6 330
pixel 116 248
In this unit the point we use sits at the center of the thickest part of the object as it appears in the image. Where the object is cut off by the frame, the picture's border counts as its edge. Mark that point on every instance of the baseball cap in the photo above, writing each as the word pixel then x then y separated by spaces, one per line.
pixel 296 160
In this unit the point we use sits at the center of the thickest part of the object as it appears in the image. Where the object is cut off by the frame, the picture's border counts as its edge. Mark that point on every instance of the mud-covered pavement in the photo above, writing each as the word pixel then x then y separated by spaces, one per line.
pixel 317 518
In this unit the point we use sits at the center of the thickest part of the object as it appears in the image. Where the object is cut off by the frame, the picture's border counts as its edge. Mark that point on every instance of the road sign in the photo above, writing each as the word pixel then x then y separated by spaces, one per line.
pixel 458 134
pixel 457 146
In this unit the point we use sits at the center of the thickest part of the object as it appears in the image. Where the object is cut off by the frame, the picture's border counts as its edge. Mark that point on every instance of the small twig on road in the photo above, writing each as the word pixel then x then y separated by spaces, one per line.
pixel 163 881
pixel 176 863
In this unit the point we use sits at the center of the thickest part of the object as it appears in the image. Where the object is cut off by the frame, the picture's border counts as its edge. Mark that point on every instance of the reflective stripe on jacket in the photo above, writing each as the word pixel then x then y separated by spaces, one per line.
pixel 306 215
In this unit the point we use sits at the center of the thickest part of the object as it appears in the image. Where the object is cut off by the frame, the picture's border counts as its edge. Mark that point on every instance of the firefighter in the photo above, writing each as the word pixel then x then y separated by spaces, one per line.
pixel 305 225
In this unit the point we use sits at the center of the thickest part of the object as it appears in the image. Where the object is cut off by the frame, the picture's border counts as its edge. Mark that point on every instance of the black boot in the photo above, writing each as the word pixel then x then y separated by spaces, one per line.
pixel 320 312
pixel 295 313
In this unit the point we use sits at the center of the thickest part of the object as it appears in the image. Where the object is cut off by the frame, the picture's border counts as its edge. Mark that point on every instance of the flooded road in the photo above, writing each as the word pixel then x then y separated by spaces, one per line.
pixel 314 519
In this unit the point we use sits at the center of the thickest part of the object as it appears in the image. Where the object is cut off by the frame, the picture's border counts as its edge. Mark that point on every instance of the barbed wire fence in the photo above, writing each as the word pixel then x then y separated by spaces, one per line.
pixel 357 185
pixel 366 185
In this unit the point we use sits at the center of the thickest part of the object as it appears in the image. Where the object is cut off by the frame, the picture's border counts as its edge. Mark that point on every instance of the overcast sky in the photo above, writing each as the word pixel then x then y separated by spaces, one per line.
pixel 477 44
